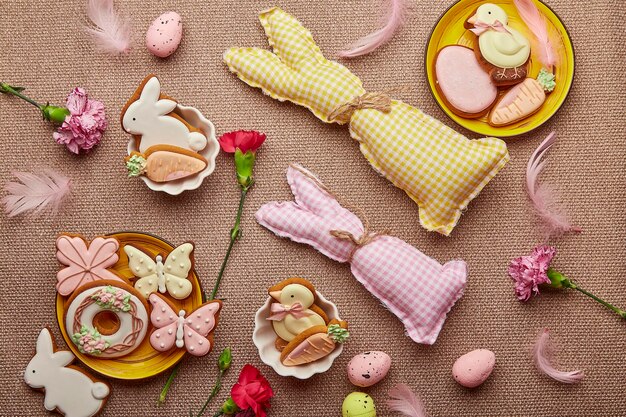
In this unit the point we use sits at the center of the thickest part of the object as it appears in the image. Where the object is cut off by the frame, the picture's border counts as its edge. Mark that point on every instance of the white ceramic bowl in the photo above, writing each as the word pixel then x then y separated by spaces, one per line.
pixel 196 119
pixel 264 338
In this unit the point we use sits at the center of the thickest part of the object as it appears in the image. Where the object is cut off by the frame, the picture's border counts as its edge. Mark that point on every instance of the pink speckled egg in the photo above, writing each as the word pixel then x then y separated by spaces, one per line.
pixel 473 368
pixel 369 368
pixel 164 34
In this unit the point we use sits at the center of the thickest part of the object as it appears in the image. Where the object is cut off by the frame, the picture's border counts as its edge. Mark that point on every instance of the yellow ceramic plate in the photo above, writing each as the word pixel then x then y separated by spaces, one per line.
pixel 144 361
pixel 449 30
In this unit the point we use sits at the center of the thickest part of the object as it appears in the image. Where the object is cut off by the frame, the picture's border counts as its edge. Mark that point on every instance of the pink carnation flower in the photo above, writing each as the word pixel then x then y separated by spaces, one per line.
pixel 528 272
pixel 84 126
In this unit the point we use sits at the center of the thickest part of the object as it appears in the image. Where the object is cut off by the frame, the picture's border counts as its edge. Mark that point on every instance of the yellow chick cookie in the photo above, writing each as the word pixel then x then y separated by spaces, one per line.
pixel 293 312
pixel 503 50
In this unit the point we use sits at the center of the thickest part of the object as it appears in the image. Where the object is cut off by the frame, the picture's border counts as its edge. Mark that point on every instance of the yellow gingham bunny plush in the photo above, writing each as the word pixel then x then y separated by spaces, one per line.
pixel 440 169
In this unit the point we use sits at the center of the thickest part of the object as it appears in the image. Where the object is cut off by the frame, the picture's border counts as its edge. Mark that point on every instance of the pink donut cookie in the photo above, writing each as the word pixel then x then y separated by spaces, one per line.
pixel 466 87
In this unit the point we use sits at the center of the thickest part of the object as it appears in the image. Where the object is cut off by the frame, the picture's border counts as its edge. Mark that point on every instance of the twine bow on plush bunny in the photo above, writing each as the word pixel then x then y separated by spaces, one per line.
pixel 417 289
pixel 440 169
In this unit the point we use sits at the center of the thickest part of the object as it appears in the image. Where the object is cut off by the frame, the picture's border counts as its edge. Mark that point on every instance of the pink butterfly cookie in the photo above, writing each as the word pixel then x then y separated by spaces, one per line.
pixel 85 263
pixel 193 332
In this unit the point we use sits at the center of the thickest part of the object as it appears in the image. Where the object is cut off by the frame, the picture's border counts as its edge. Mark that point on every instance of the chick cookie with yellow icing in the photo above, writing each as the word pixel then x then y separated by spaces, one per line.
pixel 502 50
pixel 304 331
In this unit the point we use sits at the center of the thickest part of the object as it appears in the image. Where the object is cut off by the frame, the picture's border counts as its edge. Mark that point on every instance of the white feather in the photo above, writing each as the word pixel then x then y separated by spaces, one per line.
pixel 35 192
pixel 110 32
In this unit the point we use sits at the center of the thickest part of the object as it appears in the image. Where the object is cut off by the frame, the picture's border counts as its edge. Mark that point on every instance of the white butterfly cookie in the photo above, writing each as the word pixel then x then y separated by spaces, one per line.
pixel 155 275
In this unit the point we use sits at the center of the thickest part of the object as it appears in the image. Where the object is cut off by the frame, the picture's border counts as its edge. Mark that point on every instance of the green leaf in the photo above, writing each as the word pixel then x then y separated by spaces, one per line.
pixel 244 164
pixel 558 280
pixel 225 359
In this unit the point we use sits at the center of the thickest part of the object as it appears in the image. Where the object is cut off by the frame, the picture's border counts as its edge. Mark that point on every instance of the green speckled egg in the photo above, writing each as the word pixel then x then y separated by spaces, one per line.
pixel 358 404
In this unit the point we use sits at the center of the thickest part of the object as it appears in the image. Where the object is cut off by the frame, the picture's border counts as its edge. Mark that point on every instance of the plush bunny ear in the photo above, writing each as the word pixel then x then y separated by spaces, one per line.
pixel 165 106
pixel 62 358
pixel 44 342
pixel 151 90
pixel 309 194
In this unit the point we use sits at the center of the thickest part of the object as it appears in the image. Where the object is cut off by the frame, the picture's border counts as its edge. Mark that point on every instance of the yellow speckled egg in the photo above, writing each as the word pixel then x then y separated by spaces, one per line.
pixel 358 404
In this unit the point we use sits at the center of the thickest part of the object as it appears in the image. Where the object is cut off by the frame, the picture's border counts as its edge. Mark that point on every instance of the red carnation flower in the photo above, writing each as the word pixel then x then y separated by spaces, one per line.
pixel 244 140
pixel 252 391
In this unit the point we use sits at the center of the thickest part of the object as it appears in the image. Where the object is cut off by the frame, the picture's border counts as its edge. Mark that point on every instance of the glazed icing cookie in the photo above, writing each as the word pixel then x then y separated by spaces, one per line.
pixel 164 34
pixel 522 100
pixel 68 389
pixel 85 262
pixel 503 50
pixel 304 332
pixel 149 115
pixel 193 330
pixel 154 275
pixel 163 163
pixel 153 120
pixel 466 87
pixel 107 319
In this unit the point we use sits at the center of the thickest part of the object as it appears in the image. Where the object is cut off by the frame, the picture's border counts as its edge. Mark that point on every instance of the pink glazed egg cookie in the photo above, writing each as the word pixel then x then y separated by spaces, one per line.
pixel 473 368
pixel 164 34
pixel 369 368
pixel 466 87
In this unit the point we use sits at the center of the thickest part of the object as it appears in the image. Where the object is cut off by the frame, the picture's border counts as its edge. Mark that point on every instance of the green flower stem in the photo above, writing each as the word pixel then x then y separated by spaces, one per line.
pixel 50 113
pixel 218 414
pixel 216 388
pixel 234 235
pixel 7 89
pixel 558 280
pixel 610 306
pixel 168 383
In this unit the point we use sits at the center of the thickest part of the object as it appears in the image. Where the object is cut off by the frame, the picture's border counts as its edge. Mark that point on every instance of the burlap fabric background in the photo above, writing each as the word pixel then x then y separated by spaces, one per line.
pixel 43 48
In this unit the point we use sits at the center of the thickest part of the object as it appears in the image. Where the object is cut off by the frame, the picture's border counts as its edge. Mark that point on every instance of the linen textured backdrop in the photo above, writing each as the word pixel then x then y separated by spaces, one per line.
pixel 44 49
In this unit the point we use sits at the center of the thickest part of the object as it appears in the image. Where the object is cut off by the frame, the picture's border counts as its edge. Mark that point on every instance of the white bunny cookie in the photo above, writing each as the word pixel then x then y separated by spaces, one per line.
pixel 150 116
pixel 68 390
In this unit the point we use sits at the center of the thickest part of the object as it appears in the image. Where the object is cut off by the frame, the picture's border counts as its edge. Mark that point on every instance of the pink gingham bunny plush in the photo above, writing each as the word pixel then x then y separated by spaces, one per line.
pixel 416 288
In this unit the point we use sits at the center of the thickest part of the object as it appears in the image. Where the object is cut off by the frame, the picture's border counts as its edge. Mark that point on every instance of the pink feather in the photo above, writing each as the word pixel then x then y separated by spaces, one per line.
pixel 535 21
pixel 110 32
pixel 35 192
pixel 405 401
pixel 542 355
pixel 552 216
pixel 383 35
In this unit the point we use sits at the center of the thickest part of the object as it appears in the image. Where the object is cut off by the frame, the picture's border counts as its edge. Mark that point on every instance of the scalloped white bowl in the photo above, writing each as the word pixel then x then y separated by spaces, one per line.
pixel 264 338
pixel 196 119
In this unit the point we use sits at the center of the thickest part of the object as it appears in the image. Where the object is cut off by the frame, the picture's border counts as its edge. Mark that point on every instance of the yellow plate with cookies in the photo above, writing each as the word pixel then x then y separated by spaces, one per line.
pixel 450 30
pixel 144 361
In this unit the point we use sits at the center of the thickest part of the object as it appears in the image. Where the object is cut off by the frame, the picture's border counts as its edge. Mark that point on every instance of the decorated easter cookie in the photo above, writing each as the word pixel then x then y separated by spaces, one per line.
pixel 150 117
pixel 179 329
pixel 164 34
pixel 473 368
pixel 107 319
pixel 466 87
pixel 503 50
pixel 368 368
pixel 85 262
pixel 155 275
pixel 358 404
pixel 304 332
pixel 68 390
pixel 522 100
pixel 161 164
